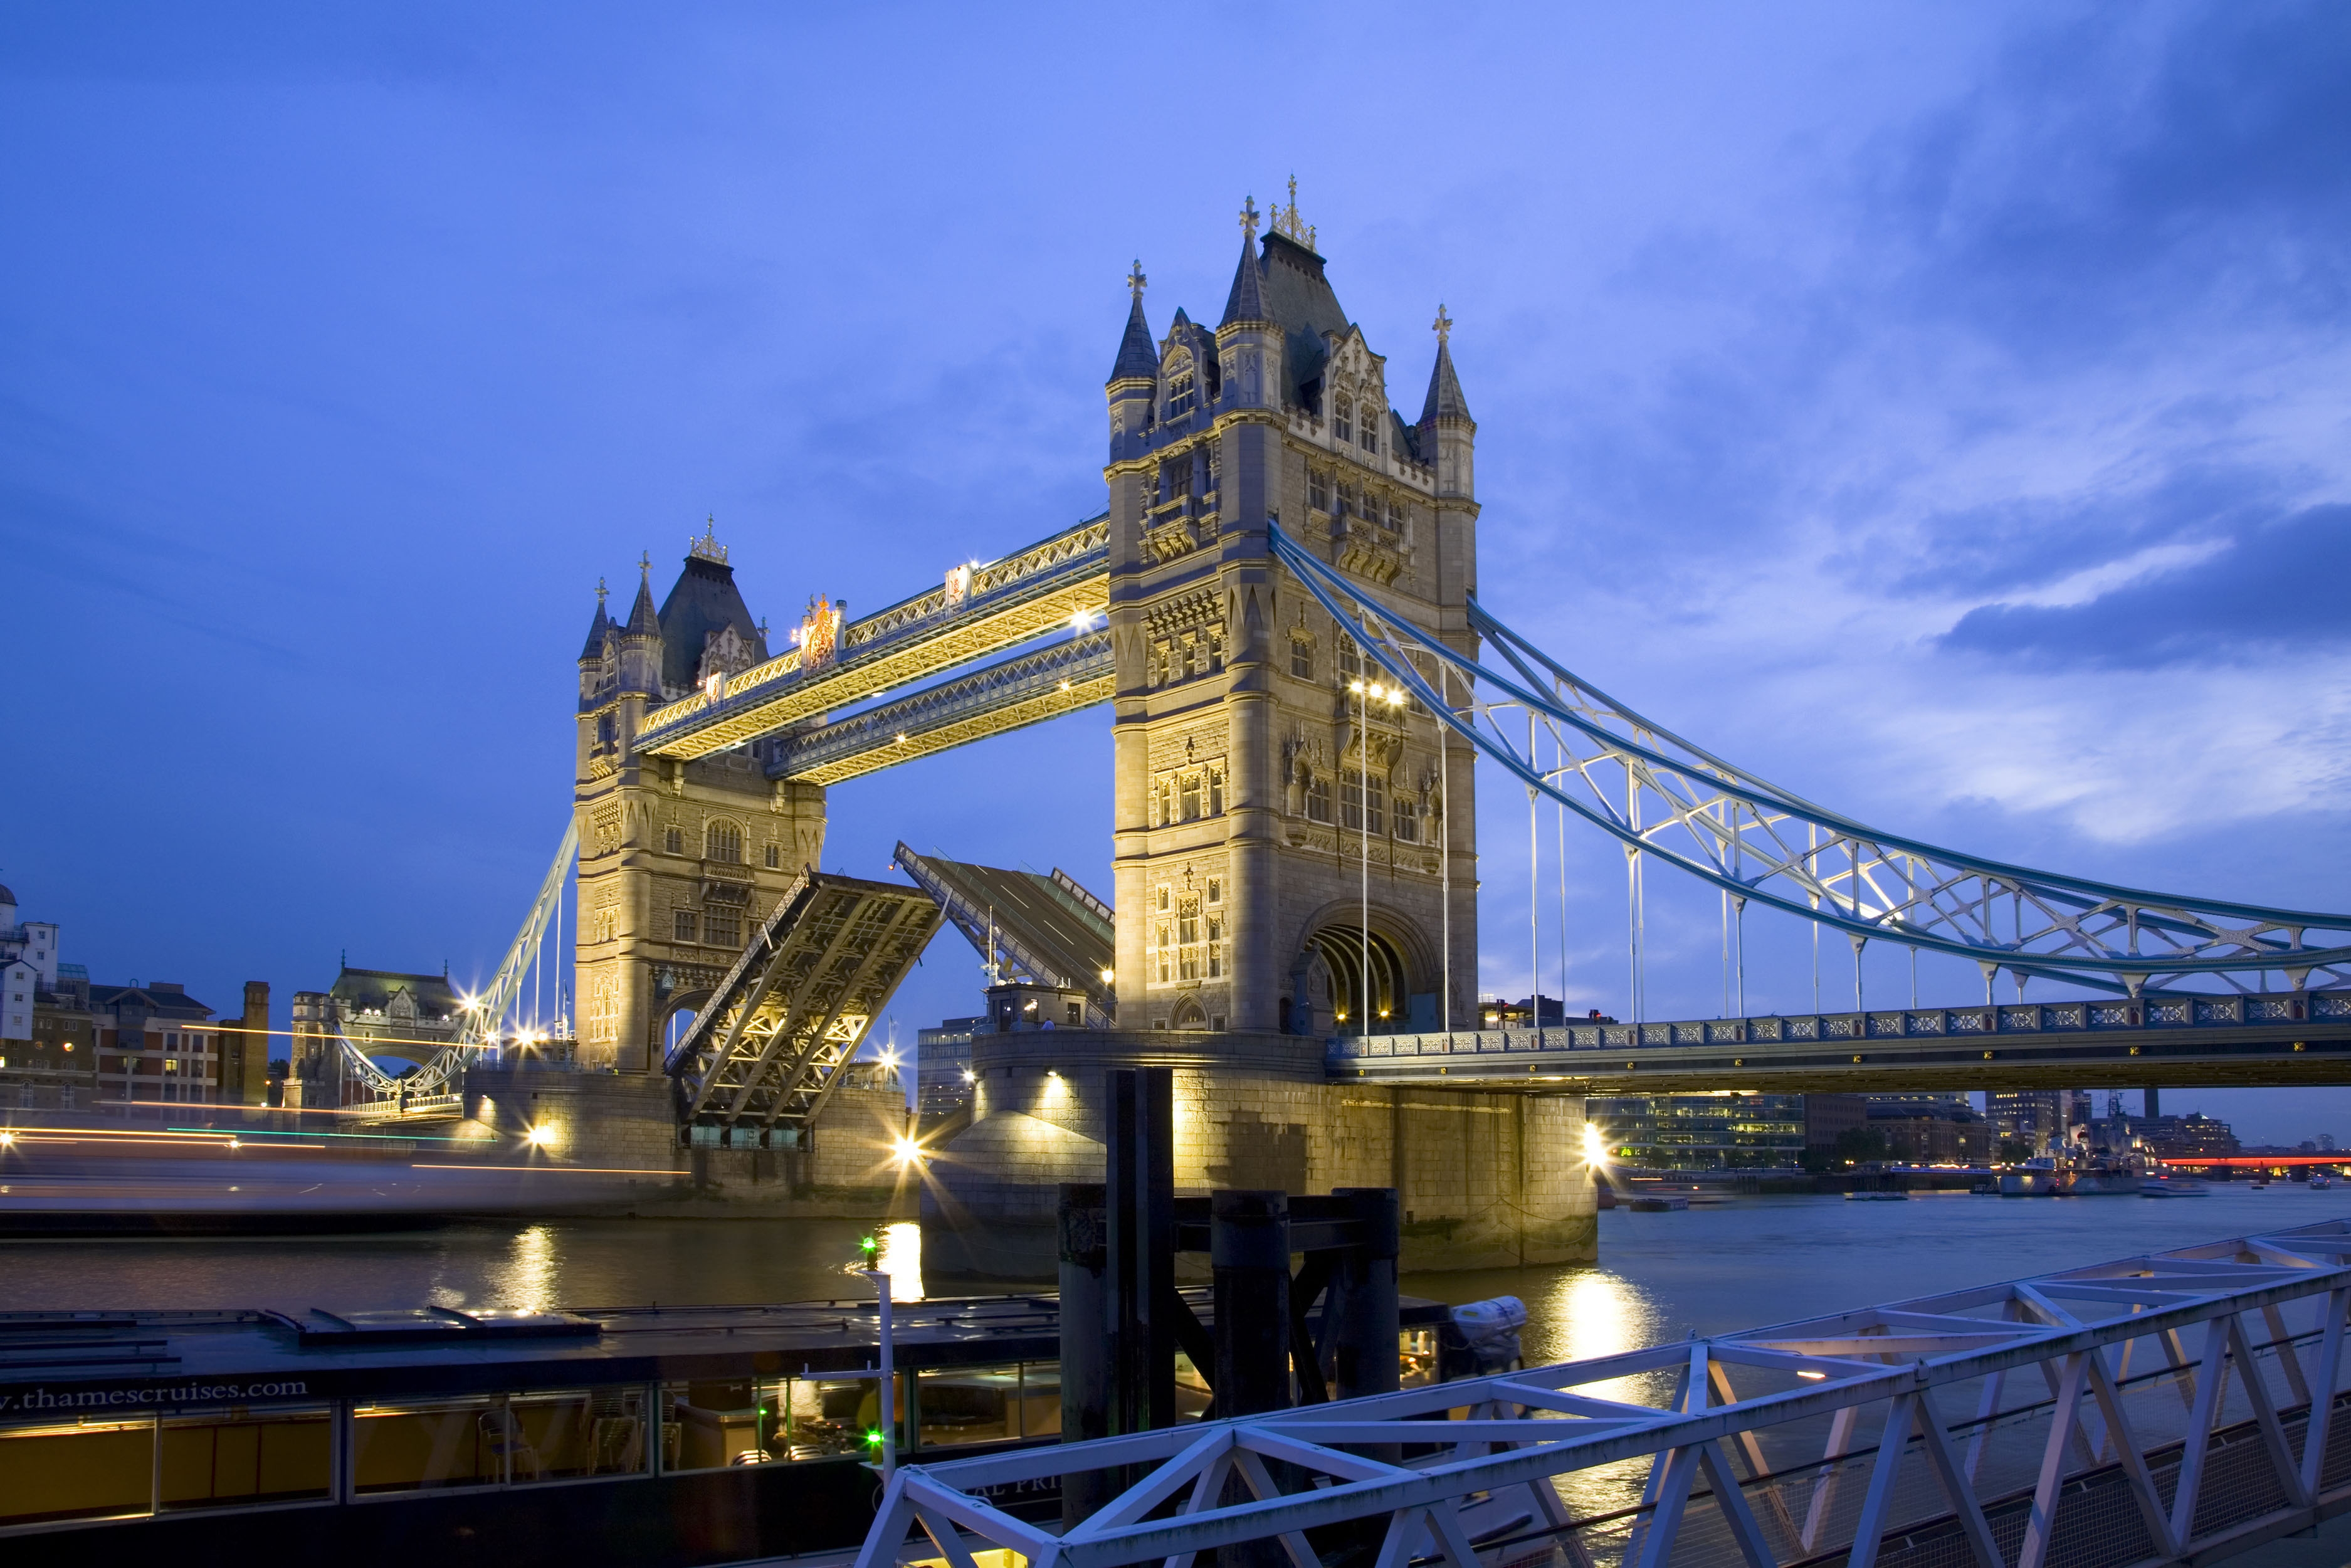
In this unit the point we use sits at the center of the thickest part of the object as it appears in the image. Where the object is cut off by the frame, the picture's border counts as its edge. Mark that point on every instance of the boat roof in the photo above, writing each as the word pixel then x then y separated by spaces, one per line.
pixel 53 1364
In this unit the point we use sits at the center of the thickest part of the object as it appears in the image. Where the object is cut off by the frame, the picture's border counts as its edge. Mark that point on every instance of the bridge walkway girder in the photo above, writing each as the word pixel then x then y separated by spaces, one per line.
pixel 1000 605
pixel 1010 695
pixel 1860 1053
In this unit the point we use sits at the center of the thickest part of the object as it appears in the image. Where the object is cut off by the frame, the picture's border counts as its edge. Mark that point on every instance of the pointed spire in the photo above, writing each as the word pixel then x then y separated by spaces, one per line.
pixel 1445 399
pixel 1247 301
pixel 1138 357
pixel 598 629
pixel 643 621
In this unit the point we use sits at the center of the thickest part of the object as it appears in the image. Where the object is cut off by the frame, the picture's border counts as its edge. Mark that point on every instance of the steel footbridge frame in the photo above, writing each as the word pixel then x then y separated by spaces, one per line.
pixel 1731 829
pixel 2003 1426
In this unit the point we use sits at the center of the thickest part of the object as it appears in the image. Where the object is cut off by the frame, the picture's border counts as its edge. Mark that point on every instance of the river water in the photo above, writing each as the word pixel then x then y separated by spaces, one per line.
pixel 1742 1262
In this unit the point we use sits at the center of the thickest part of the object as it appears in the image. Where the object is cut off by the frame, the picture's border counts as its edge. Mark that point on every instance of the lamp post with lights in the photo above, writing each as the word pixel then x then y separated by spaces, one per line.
pixel 1365 691
pixel 869 1249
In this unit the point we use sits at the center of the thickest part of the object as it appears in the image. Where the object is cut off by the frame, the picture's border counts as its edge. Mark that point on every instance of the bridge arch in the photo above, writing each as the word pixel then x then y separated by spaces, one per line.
pixel 1327 977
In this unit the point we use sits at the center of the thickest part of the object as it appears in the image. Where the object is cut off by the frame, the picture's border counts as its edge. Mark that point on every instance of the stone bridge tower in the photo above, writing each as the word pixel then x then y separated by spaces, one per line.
pixel 1256 775
pixel 677 859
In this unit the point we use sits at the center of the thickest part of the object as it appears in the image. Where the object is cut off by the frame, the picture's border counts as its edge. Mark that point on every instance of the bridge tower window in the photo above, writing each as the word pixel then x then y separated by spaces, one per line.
pixel 775 857
pixel 1407 819
pixel 1342 420
pixel 723 841
pixel 1301 658
pixel 1317 490
pixel 722 928
pixel 1189 797
pixel 1362 801
pixel 684 928
pixel 1318 799
pixel 674 841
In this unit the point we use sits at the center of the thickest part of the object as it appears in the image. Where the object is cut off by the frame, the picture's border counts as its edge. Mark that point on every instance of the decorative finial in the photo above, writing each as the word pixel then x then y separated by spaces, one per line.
pixel 1135 281
pixel 644 563
pixel 1248 216
pixel 707 547
pixel 1287 222
pixel 1442 326
pixel 600 593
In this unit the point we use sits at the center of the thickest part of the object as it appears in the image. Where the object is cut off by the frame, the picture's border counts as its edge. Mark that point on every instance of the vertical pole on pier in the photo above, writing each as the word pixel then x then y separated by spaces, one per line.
pixel 1139 1272
pixel 1365 1297
pixel 1086 1371
pixel 1249 1250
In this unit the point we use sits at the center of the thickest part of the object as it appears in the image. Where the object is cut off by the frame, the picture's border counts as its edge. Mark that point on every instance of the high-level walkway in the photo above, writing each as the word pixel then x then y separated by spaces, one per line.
pixel 2176 1407
pixel 2187 1041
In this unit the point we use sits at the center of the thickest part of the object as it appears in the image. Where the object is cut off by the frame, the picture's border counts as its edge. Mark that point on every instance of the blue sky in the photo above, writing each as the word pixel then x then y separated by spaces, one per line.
pixel 1940 409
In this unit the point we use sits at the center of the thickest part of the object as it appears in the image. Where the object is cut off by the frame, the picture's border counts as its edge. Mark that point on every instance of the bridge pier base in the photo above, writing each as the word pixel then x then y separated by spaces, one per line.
pixel 1485 1178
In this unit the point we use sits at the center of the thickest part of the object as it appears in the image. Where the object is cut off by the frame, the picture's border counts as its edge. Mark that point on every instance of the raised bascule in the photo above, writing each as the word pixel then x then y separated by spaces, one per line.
pixel 1279 603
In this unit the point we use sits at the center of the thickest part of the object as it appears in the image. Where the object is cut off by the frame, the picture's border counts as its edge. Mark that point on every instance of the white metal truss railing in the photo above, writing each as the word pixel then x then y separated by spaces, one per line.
pixel 1664 797
pixel 488 1017
pixel 1028 689
pixel 1001 603
pixel 2102 1418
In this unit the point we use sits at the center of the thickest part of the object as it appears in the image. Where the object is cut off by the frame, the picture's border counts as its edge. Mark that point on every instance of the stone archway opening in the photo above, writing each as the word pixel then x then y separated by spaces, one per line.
pixel 1358 1004
pixel 681 1010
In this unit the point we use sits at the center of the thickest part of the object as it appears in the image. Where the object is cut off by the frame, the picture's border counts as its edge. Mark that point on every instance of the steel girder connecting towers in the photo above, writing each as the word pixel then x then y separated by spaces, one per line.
pixel 2169 1408
pixel 1663 797
pixel 767 1050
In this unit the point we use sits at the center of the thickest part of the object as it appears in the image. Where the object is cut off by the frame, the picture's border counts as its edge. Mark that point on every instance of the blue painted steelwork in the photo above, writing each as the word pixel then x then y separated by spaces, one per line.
pixel 1759 843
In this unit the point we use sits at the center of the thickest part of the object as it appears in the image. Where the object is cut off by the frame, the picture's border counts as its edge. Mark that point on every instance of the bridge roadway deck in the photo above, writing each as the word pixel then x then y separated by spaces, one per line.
pixel 2298 1038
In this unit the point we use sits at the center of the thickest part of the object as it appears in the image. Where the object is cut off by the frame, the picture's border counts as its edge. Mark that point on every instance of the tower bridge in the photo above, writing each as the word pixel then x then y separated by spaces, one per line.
pixel 1280 605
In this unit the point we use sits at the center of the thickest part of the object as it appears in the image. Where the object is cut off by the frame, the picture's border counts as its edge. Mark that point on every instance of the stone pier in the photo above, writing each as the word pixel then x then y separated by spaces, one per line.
pixel 1486 1179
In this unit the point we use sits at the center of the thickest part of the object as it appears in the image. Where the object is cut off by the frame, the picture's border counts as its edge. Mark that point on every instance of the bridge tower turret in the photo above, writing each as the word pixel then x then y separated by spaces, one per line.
pixel 676 858
pixel 1257 778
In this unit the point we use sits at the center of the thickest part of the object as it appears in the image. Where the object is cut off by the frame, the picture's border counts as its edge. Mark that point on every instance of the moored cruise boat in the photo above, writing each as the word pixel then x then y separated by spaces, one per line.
pixel 644 1435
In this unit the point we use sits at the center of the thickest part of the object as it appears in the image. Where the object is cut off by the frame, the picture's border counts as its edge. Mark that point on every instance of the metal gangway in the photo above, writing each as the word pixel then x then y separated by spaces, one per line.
pixel 2171 1408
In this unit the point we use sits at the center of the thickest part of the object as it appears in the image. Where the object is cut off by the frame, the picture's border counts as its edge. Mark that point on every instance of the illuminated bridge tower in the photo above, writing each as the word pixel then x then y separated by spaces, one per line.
pixel 1255 777
pixel 677 858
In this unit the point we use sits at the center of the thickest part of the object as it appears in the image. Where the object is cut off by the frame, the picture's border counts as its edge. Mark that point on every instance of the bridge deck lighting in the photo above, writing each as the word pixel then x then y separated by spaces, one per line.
pixel 1811 1377
pixel 1108 975
pixel 906 1151
pixel 538 1137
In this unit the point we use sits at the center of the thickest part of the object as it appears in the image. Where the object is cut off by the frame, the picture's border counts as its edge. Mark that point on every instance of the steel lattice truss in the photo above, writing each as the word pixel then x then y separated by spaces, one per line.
pixel 1004 697
pixel 1664 797
pixel 2149 1410
pixel 490 1014
pixel 767 1050
pixel 995 606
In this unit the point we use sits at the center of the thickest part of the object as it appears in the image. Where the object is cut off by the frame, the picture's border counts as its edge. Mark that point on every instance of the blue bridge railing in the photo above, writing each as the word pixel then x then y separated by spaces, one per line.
pixel 2280 1010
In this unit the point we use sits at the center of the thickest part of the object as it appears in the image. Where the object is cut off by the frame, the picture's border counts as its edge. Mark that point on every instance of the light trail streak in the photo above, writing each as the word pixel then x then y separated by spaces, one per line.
pixel 547 1170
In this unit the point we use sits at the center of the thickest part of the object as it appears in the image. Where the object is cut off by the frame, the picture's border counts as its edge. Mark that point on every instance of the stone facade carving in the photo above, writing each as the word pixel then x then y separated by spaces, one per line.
pixel 1282 413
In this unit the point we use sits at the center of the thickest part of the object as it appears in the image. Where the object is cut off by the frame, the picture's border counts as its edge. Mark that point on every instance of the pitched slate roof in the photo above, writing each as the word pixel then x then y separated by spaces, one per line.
pixel 1245 302
pixel 596 630
pixel 1444 389
pixel 1137 356
pixel 703 601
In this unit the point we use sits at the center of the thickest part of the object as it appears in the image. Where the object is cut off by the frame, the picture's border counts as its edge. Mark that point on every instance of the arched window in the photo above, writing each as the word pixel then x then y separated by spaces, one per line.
pixel 674 841
pixel 1370 436
pixel 1318 799
pixel 1342 420
pixel 723 841
pixel 1183 387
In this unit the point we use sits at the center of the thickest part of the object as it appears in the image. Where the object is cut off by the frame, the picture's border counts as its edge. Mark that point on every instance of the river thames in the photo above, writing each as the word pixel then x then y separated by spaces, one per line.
pixel 1732 1264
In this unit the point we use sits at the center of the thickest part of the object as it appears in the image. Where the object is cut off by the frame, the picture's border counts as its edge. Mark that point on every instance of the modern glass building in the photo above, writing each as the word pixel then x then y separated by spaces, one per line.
pixel 1722 1131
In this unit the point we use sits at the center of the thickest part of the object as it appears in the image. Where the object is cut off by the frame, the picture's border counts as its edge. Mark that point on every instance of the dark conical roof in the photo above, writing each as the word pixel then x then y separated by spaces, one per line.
pixel 1247 301
pixel 1138 356
pixel 1445 399
pixel 597 631
pixel 642 622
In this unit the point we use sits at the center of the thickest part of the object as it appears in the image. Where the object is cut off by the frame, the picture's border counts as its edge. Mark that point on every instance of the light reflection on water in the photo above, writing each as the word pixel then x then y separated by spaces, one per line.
pixel 1745 1263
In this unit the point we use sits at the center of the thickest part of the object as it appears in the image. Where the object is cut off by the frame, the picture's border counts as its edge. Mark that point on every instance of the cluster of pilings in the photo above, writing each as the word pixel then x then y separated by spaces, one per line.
pixel 1124 1322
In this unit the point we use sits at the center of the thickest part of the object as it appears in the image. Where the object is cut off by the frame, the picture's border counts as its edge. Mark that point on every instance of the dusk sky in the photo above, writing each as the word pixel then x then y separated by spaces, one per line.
pixel 1939 409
